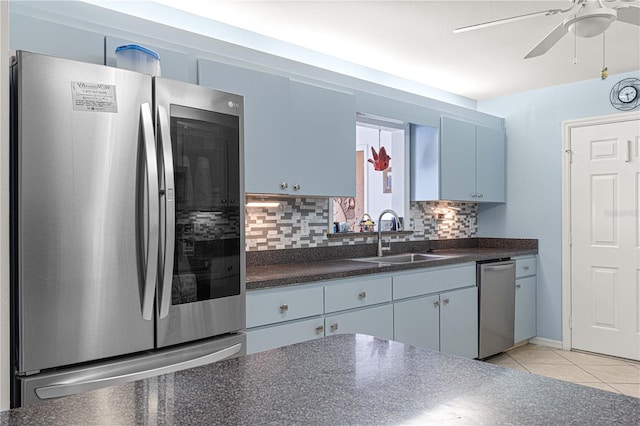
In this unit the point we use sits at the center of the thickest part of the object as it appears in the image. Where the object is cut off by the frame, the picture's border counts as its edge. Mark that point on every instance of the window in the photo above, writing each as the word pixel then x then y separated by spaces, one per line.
pixel 377 190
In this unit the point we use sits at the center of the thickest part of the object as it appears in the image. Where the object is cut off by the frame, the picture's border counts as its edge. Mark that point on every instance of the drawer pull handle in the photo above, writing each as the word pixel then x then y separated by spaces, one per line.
pixel 319 329
pixel 334 326
pixel 284 308
pixel 445 301
pixel 362 295
pixel 436 303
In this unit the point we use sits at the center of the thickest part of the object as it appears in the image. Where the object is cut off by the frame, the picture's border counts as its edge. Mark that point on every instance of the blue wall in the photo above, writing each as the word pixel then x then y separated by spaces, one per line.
pixel 534 177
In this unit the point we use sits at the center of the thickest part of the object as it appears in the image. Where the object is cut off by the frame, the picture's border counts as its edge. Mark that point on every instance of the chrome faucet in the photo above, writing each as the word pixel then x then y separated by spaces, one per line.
pixel 398 227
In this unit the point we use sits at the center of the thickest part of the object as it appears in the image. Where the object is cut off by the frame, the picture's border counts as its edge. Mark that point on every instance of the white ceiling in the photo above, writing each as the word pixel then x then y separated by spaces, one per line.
pixel 414 40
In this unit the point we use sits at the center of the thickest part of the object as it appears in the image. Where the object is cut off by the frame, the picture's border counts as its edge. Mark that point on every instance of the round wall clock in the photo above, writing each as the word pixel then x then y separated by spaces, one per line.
pixel 625 94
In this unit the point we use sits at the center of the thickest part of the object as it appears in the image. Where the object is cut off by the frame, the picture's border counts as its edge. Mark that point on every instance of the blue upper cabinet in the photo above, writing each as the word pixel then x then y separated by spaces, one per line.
pixel 173 64
pixel 49 38
pixel 472 162
pixel 465 162
pixel 268 156
pixel 322 131
pixel 490 165
pixel 457 160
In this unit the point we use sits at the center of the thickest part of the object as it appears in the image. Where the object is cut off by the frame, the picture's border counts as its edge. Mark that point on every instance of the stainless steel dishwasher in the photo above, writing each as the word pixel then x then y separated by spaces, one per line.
pixel 496 306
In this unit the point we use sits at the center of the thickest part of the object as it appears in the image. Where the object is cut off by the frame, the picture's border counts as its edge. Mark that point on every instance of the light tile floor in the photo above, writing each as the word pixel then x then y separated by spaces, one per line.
pixel 598 371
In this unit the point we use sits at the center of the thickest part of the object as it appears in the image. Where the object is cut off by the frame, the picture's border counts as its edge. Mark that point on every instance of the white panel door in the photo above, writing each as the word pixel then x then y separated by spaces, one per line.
pixel 605 252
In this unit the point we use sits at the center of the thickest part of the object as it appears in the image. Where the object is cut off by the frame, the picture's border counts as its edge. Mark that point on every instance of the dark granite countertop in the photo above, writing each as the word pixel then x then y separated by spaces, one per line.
pixel 306 269
pixel 339 380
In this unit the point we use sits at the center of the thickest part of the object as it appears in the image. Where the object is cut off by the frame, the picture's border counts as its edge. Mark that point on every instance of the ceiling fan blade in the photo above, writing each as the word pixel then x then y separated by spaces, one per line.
pixel 548 41
pixel 629 14
pixel 505 20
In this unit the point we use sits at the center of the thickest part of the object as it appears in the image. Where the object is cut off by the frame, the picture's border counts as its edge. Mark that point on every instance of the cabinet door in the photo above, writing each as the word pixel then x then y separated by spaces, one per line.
pixel 525 309
pixel 490 165
pixel 459 322
pixel 48 38
pixel 173 64
pixel 265 338
pixel 417 322
pixel 457 160
pixel 322 153
pixel 268 157
pixel 377 321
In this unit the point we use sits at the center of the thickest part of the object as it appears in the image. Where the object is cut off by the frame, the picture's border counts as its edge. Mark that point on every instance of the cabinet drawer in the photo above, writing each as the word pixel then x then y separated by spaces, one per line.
pixel 264 338
pixel 376 321
pixel 347 294
pixel 525 266
pixel 277 305
pixel 433 281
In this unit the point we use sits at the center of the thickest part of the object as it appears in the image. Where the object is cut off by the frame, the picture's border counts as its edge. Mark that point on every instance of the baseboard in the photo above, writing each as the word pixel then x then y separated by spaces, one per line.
pixel 555 344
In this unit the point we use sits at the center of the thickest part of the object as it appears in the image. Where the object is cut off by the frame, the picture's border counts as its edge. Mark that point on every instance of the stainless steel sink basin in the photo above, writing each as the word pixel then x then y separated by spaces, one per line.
pixel 402 258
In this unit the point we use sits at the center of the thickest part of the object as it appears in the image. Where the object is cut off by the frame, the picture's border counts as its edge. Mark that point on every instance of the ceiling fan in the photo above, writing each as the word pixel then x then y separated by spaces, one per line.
pixel 589 18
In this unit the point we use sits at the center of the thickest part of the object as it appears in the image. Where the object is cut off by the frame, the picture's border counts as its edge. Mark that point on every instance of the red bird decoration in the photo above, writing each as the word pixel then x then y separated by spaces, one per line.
pixel 380 161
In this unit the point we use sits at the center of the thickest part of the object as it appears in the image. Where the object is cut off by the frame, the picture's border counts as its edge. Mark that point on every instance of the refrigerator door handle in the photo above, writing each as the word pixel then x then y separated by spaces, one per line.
pixel 66 389
pixel 153 219
pixel 169 209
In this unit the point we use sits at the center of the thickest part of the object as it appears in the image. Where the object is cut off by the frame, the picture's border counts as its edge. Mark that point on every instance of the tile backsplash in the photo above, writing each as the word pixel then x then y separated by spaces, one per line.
pixel 304 222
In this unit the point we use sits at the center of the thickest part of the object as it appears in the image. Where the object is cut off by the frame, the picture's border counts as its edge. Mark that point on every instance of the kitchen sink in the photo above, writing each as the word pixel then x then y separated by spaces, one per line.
pixel 402 258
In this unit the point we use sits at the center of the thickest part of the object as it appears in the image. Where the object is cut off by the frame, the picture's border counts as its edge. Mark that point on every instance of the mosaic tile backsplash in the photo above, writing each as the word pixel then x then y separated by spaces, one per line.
pixel 304 223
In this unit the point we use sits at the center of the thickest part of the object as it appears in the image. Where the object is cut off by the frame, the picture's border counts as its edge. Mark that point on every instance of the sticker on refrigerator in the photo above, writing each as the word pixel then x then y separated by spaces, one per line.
pixel 96 97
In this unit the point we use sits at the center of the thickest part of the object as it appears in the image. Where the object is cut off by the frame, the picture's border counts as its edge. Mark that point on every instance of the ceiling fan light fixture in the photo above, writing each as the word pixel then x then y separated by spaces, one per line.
pixel 591 25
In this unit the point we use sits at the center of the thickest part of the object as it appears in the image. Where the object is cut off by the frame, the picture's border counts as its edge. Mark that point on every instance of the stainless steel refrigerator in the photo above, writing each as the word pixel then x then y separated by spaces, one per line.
pixel 127 226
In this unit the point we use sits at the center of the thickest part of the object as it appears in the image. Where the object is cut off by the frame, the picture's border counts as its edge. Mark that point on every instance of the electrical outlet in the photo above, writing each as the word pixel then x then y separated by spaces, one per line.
pixel 304 227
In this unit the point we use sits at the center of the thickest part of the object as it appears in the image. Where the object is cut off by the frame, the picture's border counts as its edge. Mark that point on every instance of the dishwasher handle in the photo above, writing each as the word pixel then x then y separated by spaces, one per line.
pixel 498 267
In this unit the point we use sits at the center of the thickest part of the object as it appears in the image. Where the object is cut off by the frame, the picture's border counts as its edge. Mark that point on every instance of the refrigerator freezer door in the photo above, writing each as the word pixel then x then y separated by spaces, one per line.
pixel 80 183
pixel 202 293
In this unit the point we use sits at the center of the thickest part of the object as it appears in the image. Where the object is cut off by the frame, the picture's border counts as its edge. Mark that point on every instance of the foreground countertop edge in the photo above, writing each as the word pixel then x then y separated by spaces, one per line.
pixel 342 379
pixel 283 275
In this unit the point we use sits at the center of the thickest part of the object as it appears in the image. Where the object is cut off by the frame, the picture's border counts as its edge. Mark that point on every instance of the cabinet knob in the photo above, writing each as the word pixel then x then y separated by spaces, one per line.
pixel 480 195
pixel 320 329
pixel 526 268
pixel 334 326
pixel 296 187
pixel 284 308
pixel 473 195
pixel 445 301
pixel 436 303
pixel 362 295
pixel 284 185
pixel 518 285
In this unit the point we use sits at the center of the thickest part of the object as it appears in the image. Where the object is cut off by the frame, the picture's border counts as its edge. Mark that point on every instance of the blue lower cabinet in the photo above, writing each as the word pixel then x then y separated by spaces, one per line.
pixel 459 322
pixel 445 322
pixel 264 338
pixel 376 321
pixel 417 322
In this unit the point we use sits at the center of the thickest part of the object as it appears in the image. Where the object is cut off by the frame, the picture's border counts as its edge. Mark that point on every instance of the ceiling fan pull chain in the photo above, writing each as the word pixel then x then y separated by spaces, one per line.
pixel 604 72
pixel 575 43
